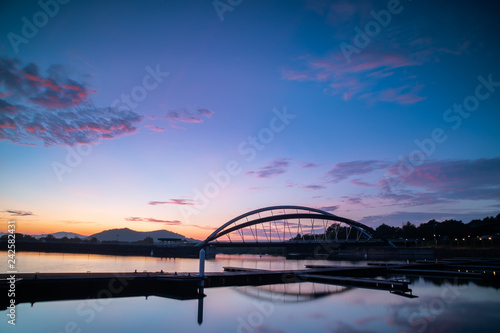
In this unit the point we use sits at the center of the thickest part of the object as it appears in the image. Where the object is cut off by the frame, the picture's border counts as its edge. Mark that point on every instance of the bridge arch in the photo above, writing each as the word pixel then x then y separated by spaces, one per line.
pixel 281 215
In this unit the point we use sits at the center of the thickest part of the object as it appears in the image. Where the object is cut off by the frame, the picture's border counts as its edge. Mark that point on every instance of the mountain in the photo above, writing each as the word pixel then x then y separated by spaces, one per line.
pixel 128 235
pixel 61 234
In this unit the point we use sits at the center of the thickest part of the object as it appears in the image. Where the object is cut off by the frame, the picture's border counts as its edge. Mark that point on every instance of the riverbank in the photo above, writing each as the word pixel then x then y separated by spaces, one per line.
pixel 120 249
pixel 317 252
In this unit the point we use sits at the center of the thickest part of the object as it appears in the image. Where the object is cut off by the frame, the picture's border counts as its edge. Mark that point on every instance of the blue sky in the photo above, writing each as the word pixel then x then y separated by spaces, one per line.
pixel 182 115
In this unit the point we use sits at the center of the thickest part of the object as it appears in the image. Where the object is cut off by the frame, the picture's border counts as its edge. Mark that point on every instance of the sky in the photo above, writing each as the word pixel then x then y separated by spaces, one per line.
pixel 182 115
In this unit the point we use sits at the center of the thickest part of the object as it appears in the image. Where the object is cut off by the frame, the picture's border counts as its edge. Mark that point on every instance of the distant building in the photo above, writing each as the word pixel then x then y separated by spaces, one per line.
pixel 169 241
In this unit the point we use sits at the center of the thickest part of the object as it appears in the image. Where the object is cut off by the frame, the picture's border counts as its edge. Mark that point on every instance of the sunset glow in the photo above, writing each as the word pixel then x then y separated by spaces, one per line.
pixel 176 115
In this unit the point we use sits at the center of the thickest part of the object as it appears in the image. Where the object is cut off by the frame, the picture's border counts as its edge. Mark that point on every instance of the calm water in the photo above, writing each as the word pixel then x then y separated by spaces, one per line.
pixel 303 307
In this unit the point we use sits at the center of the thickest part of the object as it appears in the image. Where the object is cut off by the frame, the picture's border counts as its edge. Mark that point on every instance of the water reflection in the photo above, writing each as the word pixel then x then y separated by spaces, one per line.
pixel 443 304
pixel 291 293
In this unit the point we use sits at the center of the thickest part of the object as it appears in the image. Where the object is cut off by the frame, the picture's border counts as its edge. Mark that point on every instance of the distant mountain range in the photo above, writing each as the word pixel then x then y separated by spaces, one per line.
pixel 128 235
pixel 61 234
pixel 121 235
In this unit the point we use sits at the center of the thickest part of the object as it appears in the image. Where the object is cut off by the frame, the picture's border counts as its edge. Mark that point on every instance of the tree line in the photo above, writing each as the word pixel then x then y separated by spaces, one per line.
pixel 448 229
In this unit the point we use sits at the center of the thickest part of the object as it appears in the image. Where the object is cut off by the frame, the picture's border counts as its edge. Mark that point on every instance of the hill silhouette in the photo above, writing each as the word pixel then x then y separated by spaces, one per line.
pixel 129 235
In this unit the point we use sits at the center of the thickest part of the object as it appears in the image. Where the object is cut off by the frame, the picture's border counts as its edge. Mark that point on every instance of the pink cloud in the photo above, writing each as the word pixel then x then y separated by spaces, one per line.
pixel 152 220
pixel 359 182
pixel 155 128
pixel 256 188
pixel 180 202
pixel 54 109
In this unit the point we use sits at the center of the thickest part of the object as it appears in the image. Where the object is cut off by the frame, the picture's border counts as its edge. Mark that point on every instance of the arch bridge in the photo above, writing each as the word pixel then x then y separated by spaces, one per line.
pixel 287 225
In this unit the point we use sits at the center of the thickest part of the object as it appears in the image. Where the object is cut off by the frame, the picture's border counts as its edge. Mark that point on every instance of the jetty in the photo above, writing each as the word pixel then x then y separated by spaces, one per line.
pixel 41 287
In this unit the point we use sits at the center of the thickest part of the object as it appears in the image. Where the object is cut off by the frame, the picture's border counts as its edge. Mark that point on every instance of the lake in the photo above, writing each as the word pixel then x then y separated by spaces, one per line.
pixel 442 305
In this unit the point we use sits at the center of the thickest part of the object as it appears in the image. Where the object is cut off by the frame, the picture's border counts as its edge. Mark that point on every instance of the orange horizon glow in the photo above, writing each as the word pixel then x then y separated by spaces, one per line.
pixel 187 232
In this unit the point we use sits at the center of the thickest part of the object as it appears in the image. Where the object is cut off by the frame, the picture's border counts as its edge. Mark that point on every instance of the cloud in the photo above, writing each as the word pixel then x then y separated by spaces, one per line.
pixel 54 91
pixel 314 187
pixel 372 72
pixel 342 171
pixel 184 116
pixel 205 112
pixel 50 128
pixel 54 109
pixel 181 202
pixel 77 222
pixel 133 219
pixel 433 182
pixel 150 219
pixel 169 222
pixel 256 188
pixel 277 167
pixel 329 208
pixel 202 227
pixel 455 179
pixel 154 128
pixel 368 77
pixel 18 212
pixel 359 182
pixel 455 174
pixel 309 165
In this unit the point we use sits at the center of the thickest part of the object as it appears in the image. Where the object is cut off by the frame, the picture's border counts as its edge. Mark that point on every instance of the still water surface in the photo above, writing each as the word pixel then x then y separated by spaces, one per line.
pixel 442 305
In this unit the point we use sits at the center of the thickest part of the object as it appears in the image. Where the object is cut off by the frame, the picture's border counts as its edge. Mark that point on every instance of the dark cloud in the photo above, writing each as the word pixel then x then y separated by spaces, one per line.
pixel 277 167
pixel 345 170
pixel 444 181
pixel 18 212
pixel 472 179
pixel 359 182
pixel 309 165
pixel 314 187
pixel 433 182
pixel 69 127
pixel 133 219
pixel 205 112
pixel 184 116
pixel 54 109
pixel 180 202
pixel 54 91
pixel 329 208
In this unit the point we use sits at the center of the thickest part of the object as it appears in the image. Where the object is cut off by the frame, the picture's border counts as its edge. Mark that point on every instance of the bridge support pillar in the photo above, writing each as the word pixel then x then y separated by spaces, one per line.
pixel 202 267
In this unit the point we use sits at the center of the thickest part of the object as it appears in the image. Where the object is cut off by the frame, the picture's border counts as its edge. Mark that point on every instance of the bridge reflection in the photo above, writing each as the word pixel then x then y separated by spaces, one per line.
pixel 291 293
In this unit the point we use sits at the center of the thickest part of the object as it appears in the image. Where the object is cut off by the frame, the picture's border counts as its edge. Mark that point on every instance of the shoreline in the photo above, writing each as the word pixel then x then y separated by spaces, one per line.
pixel 191 251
